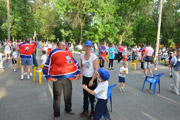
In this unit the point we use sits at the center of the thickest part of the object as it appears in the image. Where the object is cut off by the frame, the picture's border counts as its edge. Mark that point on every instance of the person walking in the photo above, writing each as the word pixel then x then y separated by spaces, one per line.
pixel 175 63
pixel 148 59
pixel 61 68
pixel 89 66
pixel 111 57
pixel 26 50
pixel 102 55
pixel 121 50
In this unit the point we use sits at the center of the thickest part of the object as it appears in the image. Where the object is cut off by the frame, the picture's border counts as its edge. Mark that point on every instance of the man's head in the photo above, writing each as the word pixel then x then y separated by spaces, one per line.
pixel 149 44
pixel 61 45
pixel 27 40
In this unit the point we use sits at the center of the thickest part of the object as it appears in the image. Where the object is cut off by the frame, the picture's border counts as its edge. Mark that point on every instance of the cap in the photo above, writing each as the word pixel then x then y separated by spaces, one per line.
pixel 104 74
pixel 88 43
pixel 171 52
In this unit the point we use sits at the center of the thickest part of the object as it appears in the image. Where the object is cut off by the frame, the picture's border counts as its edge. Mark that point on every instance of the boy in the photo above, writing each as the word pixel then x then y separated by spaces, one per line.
pixel 123 70
pixel 14 59
pixel 43 57
pixel 101 91
pixel 1 61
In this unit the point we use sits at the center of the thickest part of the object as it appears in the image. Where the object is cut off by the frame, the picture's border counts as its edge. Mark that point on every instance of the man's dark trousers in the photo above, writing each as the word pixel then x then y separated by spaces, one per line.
pixel 60 85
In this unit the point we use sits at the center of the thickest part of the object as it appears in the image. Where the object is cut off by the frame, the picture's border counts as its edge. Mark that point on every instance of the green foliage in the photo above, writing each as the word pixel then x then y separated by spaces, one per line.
pixel 113 21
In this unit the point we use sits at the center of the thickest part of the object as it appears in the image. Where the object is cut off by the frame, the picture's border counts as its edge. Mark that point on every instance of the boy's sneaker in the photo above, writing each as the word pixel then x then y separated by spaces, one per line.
pixel 170 74
pixel 120 89
pixel 84 113
pixel 123 89
pixel 112 68
pixel 28 77
pixel 31 74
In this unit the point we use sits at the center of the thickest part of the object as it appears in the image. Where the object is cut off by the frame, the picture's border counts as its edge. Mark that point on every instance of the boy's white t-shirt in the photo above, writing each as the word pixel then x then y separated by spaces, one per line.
pixel 88 67
pixel 121 70
pixel 14 55
pixel 44 58
pixel 101 90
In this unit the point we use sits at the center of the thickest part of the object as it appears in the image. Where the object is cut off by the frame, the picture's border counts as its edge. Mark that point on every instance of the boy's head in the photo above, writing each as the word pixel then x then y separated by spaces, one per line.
pixel 14 49
pixel 103 75
pixel 44 52
pixel 125 64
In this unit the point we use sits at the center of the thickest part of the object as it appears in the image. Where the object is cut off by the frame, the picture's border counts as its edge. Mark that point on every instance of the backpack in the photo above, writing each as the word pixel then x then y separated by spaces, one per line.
pixel 177 66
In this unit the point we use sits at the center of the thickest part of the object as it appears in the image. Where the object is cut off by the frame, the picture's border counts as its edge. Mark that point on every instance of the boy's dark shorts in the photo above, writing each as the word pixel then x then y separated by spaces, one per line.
pixel 14 61
pixel 122 79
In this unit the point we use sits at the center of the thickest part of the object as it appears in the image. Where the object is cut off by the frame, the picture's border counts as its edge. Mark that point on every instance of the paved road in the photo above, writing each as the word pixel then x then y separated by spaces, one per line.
pixel 28 100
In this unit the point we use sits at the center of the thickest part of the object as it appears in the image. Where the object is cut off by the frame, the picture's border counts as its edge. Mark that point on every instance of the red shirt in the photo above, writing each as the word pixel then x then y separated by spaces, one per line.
pixel 121 49
pixel 124 58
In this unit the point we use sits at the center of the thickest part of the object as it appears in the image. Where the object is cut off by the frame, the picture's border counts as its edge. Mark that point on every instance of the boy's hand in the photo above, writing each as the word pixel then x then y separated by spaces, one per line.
pixel 84 86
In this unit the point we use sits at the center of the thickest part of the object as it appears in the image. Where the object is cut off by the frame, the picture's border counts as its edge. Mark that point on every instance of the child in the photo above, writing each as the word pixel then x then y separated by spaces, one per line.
pixel 123 70
pixel 1 61
pixel 124 57
pixel 14 59
pixel 43 57
pixel 101 91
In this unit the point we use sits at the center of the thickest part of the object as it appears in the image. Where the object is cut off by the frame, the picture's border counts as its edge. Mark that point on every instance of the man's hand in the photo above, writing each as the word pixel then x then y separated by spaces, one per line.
pixel 78 77
pixel 84 86
pixel 90 83
pixel 53 79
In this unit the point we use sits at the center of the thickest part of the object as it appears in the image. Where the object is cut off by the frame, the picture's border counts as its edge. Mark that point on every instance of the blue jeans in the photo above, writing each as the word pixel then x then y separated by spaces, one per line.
pixel 101 109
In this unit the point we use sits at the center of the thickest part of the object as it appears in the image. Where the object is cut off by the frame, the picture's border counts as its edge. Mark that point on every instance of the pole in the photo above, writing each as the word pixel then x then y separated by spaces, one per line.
pixel 8 19
pixel 159 28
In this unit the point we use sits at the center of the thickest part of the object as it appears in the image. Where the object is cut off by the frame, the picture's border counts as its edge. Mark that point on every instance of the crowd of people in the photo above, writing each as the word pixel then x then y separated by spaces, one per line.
pixel 61 68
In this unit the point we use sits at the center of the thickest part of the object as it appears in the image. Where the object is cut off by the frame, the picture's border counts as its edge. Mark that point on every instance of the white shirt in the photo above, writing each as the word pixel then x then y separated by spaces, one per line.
pixel 122 69
pixel 49 46
pixel 43 58
pixel 101 90
pixel 88 67
pixel 14 55
pixel 1 56
pixel 7 46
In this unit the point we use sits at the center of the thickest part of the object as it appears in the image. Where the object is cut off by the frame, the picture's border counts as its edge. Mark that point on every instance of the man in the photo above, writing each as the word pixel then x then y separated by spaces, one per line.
pixel 60 68
pixel 26 49
pixel 148 59
pixel 121 50
pixel 102 54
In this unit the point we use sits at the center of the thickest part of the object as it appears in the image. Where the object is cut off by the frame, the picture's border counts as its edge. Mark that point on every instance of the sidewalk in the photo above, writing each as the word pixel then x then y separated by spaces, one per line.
pixel 28 100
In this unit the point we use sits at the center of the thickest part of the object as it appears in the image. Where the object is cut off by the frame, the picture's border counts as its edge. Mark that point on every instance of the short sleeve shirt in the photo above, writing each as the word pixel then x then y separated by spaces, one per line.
pixel 14 55
pixel 101 90
pixel 43 58
pixel 122 69
pixel 88 67
pixel 149 51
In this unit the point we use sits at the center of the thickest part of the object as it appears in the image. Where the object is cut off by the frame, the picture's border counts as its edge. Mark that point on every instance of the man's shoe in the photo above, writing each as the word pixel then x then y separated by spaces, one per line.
pixel 84 113
pixel 56 118
pixel 70 112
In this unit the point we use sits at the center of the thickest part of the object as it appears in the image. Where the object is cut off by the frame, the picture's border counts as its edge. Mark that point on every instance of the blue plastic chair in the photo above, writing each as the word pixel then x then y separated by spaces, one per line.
pixel 153 80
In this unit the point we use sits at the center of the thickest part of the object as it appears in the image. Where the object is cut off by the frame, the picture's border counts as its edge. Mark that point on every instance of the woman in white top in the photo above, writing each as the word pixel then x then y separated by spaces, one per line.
pixel 89 66
pixel 7 49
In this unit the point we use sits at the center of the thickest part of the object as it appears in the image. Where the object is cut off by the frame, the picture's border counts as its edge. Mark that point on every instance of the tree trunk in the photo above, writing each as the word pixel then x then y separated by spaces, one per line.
pixel 122 35
pixel 81 33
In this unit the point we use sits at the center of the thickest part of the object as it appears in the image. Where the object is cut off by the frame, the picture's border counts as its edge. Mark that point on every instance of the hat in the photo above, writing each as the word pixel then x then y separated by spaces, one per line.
pixel 171 52
pixel 88 43
pixel 104 74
